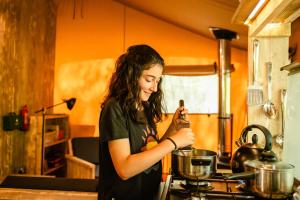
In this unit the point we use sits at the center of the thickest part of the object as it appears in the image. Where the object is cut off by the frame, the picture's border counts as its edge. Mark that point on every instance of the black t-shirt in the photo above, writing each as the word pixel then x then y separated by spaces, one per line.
pixel 114 124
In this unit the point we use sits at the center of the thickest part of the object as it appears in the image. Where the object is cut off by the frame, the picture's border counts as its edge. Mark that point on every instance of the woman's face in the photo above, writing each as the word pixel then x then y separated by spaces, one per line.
pixel 149 80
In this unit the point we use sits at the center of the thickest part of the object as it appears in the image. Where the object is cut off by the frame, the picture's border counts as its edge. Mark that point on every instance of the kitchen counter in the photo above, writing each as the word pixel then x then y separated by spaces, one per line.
pixel 50 183
pixel 39 187
pixel 35 188
pixel 36 194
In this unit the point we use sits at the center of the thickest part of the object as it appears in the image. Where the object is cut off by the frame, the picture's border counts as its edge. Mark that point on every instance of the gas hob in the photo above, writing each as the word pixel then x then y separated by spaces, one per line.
pixel 215 188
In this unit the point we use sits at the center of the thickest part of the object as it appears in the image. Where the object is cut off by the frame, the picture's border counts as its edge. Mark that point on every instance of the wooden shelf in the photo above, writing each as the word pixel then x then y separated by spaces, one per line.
pixel 56 142
pixel 49 137
pixel 50 170
pixel 55 126
pixel 292 68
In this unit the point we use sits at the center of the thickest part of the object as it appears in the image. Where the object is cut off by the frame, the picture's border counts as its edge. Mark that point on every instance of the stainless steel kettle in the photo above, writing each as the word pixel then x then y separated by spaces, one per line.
pixel 251 151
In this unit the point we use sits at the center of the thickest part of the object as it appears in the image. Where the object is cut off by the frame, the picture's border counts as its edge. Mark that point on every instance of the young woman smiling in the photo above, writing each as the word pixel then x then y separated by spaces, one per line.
pixel 130 150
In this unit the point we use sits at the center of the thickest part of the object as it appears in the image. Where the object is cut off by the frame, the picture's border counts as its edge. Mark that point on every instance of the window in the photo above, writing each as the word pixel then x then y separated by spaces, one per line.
pixel 200 93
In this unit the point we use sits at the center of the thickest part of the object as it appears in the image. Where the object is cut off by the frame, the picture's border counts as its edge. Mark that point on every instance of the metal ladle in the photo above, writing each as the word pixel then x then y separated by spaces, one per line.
pixel 269 108
pixel 280 137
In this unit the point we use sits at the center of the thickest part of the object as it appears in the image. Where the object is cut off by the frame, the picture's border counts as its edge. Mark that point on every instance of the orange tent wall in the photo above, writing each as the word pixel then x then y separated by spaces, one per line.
pixel 88 44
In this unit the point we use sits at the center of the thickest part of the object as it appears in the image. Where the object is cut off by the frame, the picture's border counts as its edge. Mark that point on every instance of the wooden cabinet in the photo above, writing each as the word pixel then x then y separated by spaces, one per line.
pixel 47 144
pixel 56 134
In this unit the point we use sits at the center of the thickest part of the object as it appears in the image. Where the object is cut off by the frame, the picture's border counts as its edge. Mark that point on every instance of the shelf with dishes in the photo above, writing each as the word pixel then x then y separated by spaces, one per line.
pixel 56 134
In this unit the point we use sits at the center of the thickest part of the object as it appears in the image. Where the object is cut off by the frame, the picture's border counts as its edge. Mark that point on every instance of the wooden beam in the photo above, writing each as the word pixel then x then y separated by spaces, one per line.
pixel 276 30
pixel 293 16
pixel 273 9
pixel 190 70
pixel 243 11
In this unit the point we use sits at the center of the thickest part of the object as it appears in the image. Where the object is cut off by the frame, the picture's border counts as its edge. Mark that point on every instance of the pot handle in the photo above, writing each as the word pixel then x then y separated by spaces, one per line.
pixel 242 175
pixel 200 162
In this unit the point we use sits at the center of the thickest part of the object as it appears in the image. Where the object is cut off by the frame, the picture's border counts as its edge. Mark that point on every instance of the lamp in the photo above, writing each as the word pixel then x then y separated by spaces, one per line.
pixel 70 104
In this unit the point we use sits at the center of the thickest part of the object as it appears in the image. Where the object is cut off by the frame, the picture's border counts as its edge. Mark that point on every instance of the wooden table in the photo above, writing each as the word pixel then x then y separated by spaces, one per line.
pixel 33 194
pixel 15 187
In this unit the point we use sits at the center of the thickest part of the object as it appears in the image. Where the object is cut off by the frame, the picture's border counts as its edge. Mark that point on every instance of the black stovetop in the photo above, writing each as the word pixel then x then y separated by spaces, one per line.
pixel 215 188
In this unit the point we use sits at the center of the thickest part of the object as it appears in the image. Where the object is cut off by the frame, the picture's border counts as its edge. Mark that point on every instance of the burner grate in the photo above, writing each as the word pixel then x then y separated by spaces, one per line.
pixel 207 189
pixel 197 186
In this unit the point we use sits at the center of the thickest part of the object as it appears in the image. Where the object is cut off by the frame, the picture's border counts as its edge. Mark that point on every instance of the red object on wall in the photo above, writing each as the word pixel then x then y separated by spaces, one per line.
pixel 24 118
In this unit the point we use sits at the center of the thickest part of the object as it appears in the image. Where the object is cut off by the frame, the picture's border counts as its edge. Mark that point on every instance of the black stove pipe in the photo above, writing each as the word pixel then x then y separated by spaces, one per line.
pixel 224 71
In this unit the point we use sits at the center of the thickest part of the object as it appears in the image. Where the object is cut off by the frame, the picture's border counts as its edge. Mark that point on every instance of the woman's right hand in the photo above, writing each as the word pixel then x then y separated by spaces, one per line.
pixel 179 122
pixel 183 137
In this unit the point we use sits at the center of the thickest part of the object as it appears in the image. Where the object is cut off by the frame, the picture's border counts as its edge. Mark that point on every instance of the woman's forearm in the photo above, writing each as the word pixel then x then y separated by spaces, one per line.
pixel 133 164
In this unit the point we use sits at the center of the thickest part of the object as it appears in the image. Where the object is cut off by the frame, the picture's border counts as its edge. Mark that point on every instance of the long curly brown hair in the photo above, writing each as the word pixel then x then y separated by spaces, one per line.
pixel 124 85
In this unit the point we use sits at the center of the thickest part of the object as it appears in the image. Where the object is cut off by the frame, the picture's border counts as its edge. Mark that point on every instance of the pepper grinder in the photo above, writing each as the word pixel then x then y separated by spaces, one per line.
pixel 181 104
pixel 181 121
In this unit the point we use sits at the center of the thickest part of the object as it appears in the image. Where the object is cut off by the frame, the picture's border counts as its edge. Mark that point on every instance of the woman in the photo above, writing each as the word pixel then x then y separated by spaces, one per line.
pixel 130 150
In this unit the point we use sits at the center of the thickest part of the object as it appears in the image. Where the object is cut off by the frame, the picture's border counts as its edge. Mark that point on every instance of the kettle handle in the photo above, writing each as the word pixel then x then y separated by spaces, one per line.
pixel 266 132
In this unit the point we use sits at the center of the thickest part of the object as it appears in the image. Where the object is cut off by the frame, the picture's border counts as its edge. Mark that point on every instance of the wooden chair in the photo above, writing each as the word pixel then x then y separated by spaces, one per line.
pixel 83 158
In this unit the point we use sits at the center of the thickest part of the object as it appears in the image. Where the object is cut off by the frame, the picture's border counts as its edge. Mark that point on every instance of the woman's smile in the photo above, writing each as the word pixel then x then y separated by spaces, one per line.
pixel 149 81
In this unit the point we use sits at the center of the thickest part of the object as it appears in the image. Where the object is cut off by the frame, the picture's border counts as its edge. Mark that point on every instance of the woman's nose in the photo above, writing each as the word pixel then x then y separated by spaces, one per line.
pixel 154 87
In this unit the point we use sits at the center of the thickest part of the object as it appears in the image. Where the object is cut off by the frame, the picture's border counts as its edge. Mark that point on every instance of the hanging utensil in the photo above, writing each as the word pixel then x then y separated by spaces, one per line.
pixel 269 108
pixel 280 137
pixel 255 91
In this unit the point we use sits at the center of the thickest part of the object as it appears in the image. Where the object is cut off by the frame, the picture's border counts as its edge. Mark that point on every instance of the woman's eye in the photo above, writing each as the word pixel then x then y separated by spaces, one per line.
pixel 148 80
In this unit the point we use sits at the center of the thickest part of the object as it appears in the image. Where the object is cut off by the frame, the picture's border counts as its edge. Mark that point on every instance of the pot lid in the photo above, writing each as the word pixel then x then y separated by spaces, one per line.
pixel 274 166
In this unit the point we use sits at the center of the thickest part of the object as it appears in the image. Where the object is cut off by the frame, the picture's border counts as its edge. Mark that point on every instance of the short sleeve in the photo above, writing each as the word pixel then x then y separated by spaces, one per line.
pixel 112 122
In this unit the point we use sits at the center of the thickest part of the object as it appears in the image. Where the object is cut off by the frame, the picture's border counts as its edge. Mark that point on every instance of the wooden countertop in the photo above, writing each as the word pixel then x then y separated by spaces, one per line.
pixel 31 194
pixel 15 187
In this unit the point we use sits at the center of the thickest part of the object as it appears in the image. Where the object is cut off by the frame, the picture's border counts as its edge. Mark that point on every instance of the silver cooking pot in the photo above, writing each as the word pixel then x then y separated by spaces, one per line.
pixel 272 179
pixel 195 164
pixel 268 179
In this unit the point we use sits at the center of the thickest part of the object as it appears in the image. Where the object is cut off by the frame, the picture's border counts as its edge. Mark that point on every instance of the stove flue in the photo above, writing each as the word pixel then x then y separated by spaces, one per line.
pixel 224 71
